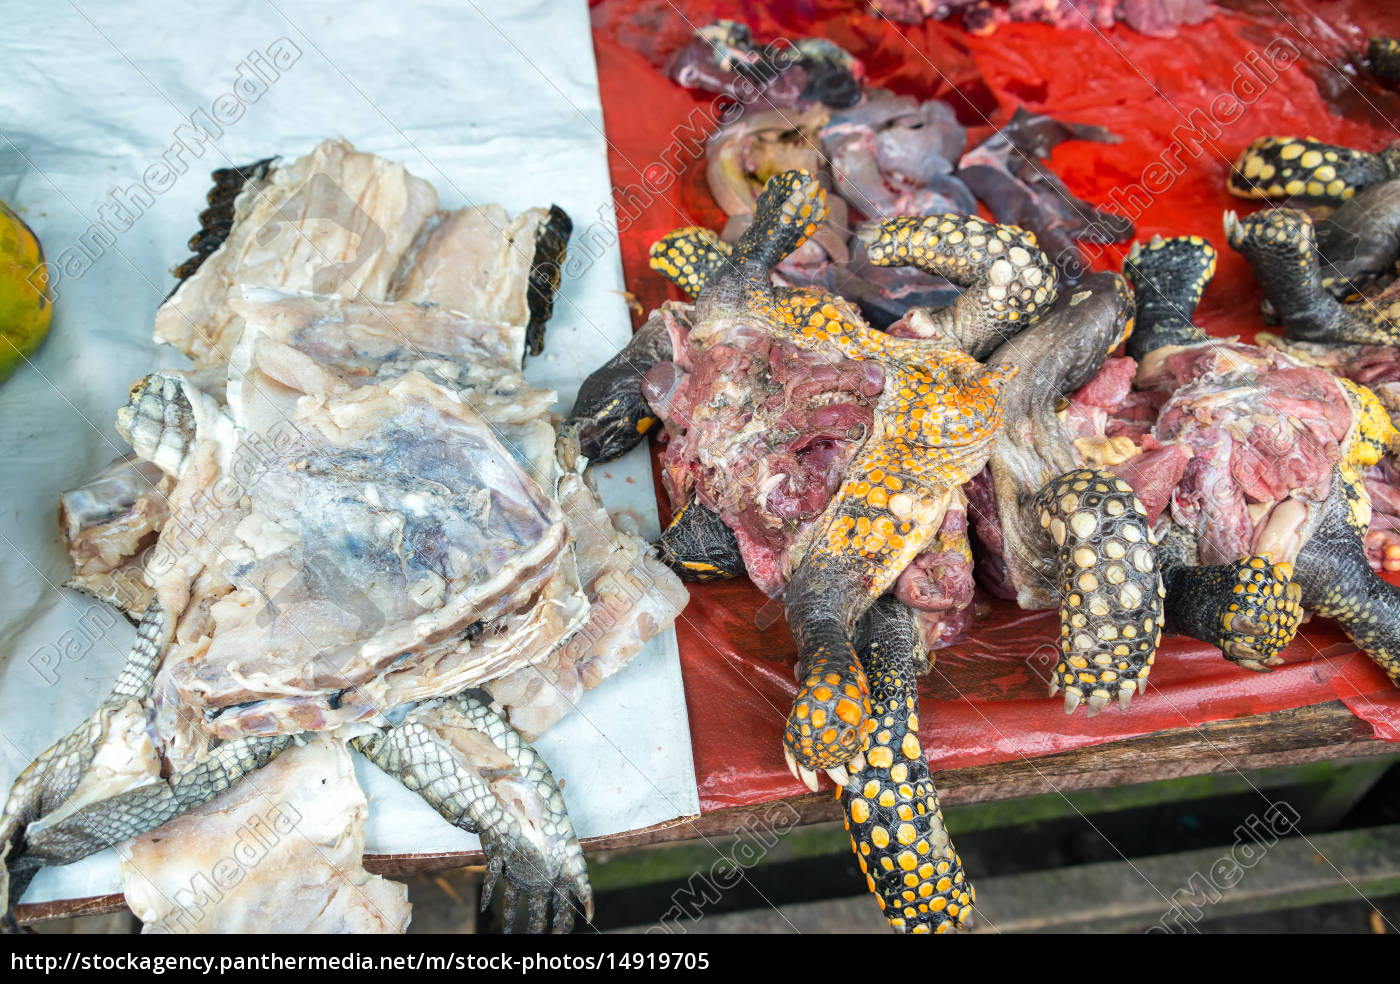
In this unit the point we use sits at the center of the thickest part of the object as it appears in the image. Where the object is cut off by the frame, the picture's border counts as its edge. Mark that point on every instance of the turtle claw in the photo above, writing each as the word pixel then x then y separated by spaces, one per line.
pixel 791 763
pixel 1096 696
pixel 1125 693
pixel 839 776
pixel 494 866
pixel 809 778
pixel 511 898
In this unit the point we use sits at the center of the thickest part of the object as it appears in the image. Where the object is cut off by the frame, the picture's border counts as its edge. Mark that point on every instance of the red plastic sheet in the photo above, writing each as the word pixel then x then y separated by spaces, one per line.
pixel 1257 69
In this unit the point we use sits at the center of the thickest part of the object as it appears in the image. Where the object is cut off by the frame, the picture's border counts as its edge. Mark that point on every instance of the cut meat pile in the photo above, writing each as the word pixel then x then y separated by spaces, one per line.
pixel 1159 18
pixel 364 503
pixel 761 431
pixel 879 155
pixel 1378 368
pixel 1227 439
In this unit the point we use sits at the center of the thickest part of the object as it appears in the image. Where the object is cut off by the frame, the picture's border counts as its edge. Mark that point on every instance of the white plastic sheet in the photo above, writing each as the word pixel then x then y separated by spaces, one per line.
pixel 490 102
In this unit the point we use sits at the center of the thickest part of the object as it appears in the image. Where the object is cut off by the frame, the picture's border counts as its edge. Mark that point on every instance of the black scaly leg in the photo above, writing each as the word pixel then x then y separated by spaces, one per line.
pixel 891 806
pixel 1169 276
pixel 1280 245
pixel 1338 582
pixel 1249 608
pixel 551 242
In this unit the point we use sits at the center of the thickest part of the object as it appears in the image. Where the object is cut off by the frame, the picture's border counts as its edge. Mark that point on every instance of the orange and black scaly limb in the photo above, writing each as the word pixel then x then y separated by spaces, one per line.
pixel 890 804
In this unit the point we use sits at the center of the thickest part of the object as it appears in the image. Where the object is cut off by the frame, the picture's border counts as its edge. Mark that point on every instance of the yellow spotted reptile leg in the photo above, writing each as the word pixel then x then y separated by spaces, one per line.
pixel 897 829
pixel 935 428
pixel 1281 247
pixel 1251 609
pixel 689 257
pixel 883 518
pixel 1110 588
pixel 1009 280
pixel 1301 167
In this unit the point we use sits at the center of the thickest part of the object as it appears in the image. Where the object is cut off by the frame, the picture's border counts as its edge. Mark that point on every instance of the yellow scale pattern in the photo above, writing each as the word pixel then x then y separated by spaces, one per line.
pixel 1014 279
pixel 896 826
pixel 1302 167
pixel 689 257
pixel 1112 596
pixel 940 410
pixel 1263 615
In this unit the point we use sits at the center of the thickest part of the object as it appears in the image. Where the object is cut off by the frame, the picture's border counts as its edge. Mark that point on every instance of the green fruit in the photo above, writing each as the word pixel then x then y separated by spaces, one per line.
pixel 25 306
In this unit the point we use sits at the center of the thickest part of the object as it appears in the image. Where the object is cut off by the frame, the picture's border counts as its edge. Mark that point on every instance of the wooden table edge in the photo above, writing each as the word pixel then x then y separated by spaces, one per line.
pixel 1289 737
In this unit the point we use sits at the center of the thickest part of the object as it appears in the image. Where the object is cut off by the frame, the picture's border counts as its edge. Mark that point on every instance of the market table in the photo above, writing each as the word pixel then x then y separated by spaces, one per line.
pixel 1294 736
pixel 985 701
pixel 990 731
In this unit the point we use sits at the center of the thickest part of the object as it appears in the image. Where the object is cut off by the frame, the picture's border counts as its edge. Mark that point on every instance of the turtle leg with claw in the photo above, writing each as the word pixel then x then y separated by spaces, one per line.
pixel 885 514
pixel 471 766
pixel 43 824
pixel 1169 277
pixel 1280 245
pixel 1109 584
pixel 1338 582
pixel 1251 609
pixel 1294 167
pixel 891 807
